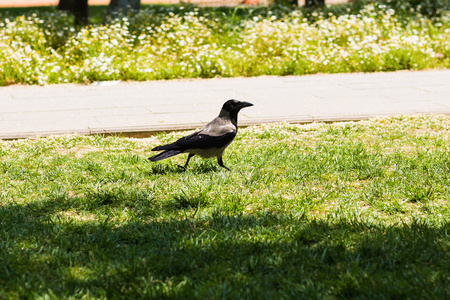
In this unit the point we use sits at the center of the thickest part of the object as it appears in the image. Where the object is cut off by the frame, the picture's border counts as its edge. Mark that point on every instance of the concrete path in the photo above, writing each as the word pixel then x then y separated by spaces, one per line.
pixel 142 108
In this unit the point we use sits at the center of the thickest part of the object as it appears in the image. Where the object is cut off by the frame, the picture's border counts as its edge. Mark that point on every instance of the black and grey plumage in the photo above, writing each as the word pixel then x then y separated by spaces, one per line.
pixel 211 140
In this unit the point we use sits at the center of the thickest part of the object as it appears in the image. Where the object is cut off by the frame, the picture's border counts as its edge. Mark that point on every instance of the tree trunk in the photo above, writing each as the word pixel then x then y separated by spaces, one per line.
pixel 314 3
pixel 79 8
pixel 117 7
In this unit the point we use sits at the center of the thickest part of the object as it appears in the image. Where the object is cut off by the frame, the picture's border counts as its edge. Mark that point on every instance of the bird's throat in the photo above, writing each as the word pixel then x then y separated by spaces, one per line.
pixel 232 116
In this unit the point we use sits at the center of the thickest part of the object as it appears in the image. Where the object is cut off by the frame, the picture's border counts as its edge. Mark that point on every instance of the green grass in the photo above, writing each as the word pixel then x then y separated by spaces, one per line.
pixel 41 46
pixel 322 211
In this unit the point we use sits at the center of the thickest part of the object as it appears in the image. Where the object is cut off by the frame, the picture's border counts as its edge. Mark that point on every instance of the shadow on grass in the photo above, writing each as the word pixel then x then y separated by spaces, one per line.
pixel 200 168
pixel 183 201
pixel 163 169
pixel 217 255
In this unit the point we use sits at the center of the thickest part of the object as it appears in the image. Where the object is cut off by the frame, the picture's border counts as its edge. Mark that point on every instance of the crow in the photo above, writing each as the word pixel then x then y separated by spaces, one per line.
pixel 209 141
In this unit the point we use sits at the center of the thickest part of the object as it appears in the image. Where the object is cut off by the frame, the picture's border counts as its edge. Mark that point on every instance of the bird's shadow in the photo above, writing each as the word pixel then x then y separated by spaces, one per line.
pixel 200 168
pixel 162 169
pixel 206 167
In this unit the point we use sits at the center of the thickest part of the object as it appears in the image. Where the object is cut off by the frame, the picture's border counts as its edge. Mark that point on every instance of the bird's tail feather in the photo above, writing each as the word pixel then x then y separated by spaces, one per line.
pixel 165 147
pixel 165 154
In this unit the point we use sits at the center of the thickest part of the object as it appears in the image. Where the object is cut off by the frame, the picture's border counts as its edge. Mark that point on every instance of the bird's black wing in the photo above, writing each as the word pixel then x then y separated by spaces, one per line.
pixel 199 141
pixel 205 141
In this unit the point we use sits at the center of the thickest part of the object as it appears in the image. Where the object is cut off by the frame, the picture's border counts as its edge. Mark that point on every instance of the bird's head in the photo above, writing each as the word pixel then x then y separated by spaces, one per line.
pixel 235 105
pixel 231 108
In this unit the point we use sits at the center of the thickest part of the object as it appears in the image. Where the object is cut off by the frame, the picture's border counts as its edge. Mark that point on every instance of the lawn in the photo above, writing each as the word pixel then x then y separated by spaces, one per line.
pixel 321 211
pixel 41 46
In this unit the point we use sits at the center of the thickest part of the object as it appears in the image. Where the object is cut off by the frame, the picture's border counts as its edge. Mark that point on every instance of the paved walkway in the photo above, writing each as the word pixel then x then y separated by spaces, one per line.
pixel 142 108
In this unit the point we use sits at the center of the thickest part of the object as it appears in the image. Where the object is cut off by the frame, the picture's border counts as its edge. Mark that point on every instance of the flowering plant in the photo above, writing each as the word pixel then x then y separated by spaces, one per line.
pixel 191 43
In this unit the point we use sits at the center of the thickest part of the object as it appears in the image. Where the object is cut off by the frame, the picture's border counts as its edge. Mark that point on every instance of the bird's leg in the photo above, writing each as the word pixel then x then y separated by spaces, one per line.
pixel 220 161
pixel 187 162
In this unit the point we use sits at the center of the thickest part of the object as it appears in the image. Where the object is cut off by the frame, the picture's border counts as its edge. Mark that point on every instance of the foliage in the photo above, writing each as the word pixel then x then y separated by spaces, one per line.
pixel 430 8
pixel 344 210
pixel 167 42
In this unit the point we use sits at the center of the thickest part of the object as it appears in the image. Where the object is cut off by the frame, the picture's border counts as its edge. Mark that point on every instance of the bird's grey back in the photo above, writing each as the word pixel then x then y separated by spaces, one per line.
pixel 219 126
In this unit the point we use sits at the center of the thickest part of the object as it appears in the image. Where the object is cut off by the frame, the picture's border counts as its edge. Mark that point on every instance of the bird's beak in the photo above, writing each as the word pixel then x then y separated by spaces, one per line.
pixel 246 104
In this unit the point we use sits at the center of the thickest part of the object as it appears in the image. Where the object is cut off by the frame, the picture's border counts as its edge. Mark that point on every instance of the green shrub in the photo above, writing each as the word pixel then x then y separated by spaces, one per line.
pixel 188 42
pixel 430 8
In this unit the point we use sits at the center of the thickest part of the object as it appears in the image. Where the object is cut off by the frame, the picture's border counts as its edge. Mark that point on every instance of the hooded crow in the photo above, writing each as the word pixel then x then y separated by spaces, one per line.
pixel 209 141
